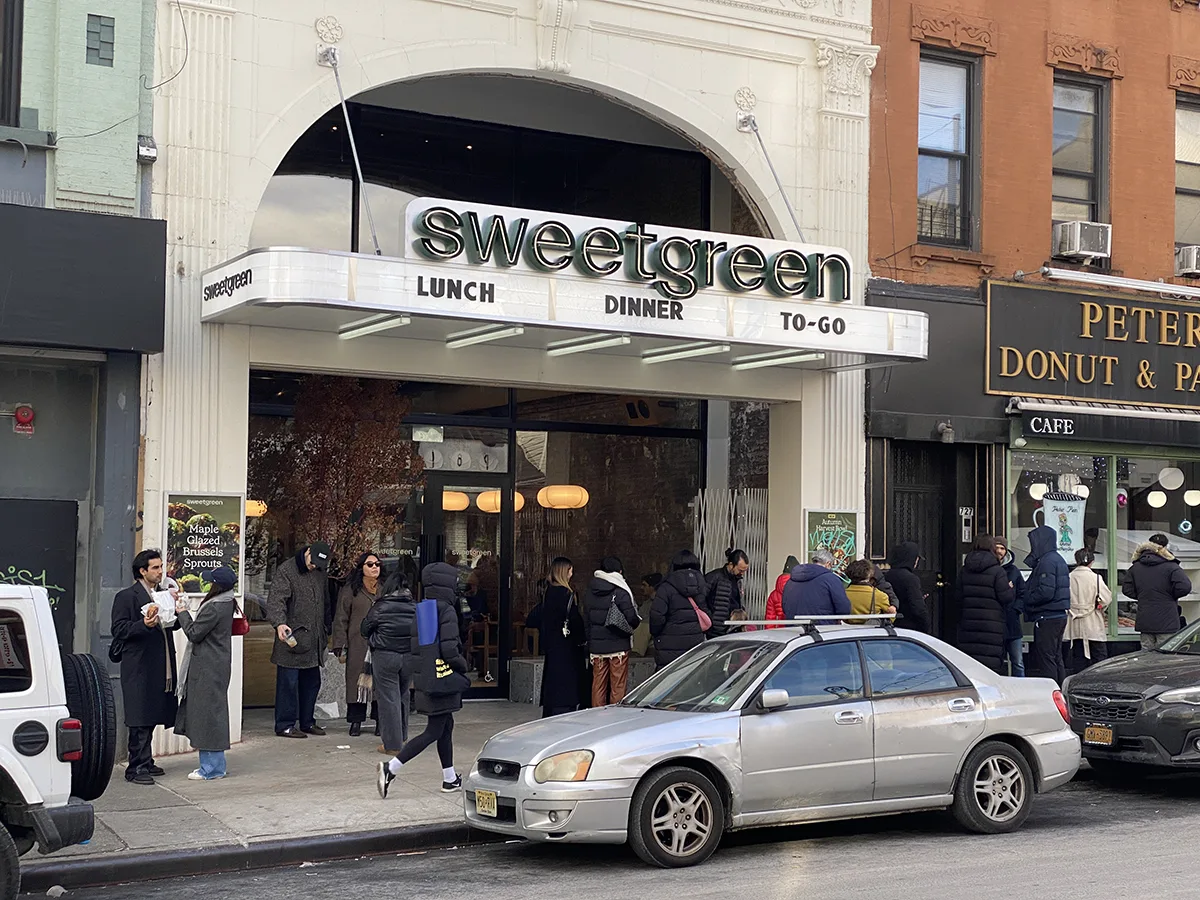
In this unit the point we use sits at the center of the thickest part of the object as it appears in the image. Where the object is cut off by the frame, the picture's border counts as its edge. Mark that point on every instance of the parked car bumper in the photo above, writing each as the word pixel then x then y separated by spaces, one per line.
pixel 595 812
pixel 1058 757
pixel 1162 735
pixel 60 826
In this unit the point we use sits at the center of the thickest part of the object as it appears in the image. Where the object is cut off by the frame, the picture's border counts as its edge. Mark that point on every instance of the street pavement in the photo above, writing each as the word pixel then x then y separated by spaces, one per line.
pixel 1088 839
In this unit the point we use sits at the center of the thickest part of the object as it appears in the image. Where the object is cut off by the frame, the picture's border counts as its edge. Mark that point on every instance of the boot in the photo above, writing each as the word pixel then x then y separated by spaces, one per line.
pixel 377 729
pixel 355 729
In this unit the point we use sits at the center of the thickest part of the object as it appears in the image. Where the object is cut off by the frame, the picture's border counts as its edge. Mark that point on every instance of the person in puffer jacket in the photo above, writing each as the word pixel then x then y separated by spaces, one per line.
pixel 1047 602
pixel 1156 581
pixel 815 589
pixel 725 585
pixel 674 624
pixel 775 600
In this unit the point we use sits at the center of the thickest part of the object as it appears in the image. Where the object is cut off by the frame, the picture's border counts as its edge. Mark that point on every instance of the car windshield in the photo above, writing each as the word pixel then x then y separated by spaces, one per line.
pixel 709 679
pixel 1186 641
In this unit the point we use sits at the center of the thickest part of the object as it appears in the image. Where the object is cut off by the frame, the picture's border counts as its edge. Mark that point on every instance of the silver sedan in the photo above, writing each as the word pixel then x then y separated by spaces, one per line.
pixel 776 727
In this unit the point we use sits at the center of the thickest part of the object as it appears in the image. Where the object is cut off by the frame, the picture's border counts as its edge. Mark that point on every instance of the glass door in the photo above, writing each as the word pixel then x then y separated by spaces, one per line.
pixel 467 523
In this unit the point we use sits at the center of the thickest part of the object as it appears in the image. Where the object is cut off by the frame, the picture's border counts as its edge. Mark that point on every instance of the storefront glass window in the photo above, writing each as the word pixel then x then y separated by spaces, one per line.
pixel 1157 496
pixel 639 507
pixel 606 409
pixel 1068 492
pixel 304 211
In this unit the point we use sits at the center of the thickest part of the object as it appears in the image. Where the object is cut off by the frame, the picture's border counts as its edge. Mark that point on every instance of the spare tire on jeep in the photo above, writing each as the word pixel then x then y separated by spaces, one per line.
pixel 90 700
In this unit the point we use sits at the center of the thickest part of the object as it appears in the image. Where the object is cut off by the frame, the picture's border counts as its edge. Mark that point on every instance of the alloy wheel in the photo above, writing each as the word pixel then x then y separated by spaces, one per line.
pixel 681 819
pixel 1000 788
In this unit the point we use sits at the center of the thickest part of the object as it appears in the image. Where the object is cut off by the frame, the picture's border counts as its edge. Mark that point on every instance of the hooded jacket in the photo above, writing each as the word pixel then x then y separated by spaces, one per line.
pixel 673 623
pixel 723 597
pixel 440 584
pixel 1049 587
pixel 775 599
pixel 299 598
pixel 602 638
pixel 814 590
pixel 983 595
pixel 391 622
pixel 1012 615
pixel 910 595
pixel 1156 581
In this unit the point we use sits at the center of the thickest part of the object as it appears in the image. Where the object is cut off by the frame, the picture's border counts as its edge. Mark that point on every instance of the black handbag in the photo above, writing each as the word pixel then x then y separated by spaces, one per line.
pixel 616 619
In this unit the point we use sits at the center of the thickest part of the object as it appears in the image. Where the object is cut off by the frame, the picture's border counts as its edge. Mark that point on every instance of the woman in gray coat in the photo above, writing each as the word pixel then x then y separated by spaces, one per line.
pixel 203 716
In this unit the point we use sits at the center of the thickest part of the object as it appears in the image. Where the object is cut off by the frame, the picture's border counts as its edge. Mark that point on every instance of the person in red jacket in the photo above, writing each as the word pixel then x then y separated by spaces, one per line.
pixel 775 600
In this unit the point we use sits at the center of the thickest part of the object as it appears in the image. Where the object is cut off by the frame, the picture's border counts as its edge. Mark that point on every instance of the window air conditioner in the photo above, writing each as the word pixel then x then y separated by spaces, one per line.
pixel 1187 261
pixel 1083 240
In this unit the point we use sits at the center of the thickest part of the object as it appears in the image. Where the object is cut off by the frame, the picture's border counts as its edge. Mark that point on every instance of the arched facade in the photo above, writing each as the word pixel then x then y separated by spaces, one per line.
pixel 247 84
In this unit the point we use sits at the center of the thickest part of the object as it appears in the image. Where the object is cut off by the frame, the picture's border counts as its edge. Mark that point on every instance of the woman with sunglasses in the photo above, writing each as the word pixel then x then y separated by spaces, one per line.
pixel 354 602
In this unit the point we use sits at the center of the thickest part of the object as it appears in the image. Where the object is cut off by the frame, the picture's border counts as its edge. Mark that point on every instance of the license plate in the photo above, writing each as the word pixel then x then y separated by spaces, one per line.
pixel 1099 735
pixel 485 803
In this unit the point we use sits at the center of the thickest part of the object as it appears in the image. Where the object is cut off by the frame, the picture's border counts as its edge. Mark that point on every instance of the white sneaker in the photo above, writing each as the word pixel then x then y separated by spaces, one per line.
pixel 196 776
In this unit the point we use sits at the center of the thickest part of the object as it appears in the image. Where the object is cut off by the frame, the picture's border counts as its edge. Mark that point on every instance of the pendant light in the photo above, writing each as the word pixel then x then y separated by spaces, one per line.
pixel 563 496
pixel 455 501
pixel 489 501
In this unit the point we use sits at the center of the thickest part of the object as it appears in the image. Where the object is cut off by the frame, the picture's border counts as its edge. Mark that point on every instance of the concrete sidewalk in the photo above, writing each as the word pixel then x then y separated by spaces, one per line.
pixel 279 793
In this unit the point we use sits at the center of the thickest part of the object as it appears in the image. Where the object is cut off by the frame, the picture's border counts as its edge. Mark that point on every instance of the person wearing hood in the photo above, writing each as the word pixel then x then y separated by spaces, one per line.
pixel 1087 624
pixel 641 634
pixel 724 589
pixel 561 638
pixel 814 589
pixel 203 690
pixel 1156 581
pixel 1014 634
pixel 389 628
pixel 911 598
pixel 676 614
pixel 611 620
pixel 296 606
pixel 984 594
pixel 775 599
pixel 1047 603
pixel 439 658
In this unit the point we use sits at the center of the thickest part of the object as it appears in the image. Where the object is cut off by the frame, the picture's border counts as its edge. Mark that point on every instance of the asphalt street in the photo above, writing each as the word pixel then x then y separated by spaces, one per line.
pixel 1088 839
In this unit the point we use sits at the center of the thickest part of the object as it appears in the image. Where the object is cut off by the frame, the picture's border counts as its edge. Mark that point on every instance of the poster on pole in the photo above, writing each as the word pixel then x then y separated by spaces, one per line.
pixel 204 531
pixel 835 530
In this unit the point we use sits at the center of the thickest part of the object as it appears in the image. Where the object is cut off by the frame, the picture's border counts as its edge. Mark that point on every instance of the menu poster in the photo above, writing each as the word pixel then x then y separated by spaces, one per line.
pixel 835 531
pixel 204 531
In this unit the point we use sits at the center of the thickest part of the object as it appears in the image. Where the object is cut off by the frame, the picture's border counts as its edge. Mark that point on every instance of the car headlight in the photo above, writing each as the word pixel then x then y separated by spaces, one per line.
pixel 1189 695
pixel 572 766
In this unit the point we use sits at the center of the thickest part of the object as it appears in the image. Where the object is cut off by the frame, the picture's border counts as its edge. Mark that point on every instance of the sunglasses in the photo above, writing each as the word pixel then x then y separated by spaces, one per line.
pixel 371 565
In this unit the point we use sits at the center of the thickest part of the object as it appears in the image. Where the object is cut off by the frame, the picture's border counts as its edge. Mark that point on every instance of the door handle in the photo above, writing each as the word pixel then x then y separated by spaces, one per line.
pixel 961 704
pixel 848 717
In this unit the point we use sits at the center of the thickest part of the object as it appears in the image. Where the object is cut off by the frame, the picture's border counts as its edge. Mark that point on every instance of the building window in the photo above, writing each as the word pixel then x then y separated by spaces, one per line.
pixel 11 20
pixel 1078 116
pixel 100 40
pixel 1187 174
pixel 945 147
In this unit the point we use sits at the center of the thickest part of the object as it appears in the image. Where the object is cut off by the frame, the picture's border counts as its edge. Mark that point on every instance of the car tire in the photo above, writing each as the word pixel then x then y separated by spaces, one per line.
pixel 995 789
pixel 10 867
pixel 90 699
pixel 686 801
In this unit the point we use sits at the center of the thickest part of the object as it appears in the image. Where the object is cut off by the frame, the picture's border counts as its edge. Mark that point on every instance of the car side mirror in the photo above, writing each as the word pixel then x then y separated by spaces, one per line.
pixel 774 699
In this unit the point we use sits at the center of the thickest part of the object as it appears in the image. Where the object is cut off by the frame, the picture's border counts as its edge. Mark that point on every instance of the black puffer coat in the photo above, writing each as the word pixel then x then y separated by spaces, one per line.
pixel 440 583
pixel 673 623
pixel 1156 581
pixel 391 622
pixel 723 597
pixel 984 596
pixel 910 595
pixel 602 638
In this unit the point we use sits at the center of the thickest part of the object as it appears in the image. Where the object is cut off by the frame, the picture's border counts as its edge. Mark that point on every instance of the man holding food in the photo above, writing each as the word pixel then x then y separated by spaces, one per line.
pixel 296 605
pixel 142 618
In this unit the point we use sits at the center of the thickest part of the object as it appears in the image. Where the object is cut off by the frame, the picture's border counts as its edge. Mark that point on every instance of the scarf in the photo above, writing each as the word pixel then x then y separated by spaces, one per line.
pixel 185 662
pixel 617 580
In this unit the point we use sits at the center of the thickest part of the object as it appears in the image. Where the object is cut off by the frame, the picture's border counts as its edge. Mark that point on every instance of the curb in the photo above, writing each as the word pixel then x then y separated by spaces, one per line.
pixel 122 868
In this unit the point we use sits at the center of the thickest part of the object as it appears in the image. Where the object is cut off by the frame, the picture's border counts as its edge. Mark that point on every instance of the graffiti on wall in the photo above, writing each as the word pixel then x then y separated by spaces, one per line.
pixel 29 578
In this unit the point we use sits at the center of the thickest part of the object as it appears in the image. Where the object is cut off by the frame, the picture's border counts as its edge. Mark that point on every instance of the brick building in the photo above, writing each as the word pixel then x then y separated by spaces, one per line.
pixel 1035 188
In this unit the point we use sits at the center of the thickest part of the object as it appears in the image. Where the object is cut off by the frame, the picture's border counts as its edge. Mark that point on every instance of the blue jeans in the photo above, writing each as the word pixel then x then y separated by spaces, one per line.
pixel 296 697
pixel 212 763
pixel 1016 657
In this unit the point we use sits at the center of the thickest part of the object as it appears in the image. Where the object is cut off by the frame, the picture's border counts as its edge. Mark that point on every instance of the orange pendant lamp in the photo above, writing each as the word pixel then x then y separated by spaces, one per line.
pixel 489 501
pixel 455 501
pixel 563 496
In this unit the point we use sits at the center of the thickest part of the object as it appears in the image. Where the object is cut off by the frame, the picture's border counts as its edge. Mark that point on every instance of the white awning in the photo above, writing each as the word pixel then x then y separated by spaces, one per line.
pixel 352 295
pixel 1090 408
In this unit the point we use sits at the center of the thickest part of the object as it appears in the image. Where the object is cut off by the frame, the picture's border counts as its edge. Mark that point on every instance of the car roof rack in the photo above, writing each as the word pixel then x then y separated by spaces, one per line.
pixel 886 621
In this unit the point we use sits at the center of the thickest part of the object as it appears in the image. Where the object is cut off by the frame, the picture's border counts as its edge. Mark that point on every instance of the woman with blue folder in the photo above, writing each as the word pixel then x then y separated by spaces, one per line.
pixel 440 677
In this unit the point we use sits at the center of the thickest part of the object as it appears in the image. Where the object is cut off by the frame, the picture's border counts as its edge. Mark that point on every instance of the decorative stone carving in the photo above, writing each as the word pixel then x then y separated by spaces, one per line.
pixel 846 68
pixel 947 28
pixel 1184 74
pixel 329 30
pixel 553 29
pixel 745 99
pixel 1066 51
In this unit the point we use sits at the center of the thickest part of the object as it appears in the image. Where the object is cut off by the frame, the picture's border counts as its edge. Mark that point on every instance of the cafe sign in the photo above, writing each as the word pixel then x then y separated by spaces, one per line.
pixel 1054 344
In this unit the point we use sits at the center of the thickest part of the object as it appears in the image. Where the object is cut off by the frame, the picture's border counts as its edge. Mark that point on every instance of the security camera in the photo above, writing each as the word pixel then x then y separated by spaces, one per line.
pixel 147 150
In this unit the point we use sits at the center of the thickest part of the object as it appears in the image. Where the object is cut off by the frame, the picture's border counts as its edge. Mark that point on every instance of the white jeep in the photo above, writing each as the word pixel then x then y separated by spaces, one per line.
pixel 57 735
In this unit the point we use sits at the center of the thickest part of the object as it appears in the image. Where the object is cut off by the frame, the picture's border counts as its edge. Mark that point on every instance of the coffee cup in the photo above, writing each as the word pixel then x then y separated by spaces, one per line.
pixel 1064 513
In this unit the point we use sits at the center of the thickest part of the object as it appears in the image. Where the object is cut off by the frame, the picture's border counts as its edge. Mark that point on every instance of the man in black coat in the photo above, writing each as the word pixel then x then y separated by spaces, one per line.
pixel 984 596
pixel 297 605
pixel 910 595
pixel 725 587
pixel 1156 581
pixel 147 664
